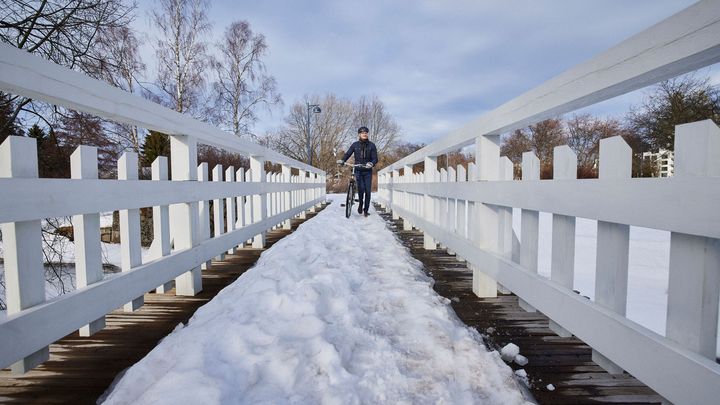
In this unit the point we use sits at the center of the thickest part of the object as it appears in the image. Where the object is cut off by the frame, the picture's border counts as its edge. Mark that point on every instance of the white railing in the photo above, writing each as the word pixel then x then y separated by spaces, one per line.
pixel 471 213
pixel 246 205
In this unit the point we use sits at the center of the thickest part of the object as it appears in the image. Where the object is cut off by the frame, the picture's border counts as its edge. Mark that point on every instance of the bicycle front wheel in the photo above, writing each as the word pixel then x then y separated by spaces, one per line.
pixel 350 200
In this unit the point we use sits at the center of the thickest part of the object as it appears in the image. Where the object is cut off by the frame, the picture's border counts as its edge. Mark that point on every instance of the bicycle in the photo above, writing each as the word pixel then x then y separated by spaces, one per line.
pixel 350 197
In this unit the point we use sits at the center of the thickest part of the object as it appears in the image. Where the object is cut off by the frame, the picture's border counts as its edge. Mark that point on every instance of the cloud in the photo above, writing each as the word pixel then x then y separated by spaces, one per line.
pixel 436 64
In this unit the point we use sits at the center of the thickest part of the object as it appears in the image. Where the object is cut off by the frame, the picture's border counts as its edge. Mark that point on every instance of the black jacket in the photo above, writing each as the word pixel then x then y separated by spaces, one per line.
pixel 364 152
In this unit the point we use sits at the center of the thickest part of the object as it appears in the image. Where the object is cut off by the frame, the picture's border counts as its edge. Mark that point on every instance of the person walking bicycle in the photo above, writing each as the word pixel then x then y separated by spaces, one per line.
pixel 365 154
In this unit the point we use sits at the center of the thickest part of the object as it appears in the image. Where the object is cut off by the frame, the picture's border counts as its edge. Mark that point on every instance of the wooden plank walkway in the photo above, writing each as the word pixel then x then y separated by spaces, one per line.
pixel 563 362
pixel 81 369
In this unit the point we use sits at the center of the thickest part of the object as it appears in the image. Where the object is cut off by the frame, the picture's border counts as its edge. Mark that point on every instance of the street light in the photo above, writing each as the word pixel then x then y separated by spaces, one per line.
pixel 315 108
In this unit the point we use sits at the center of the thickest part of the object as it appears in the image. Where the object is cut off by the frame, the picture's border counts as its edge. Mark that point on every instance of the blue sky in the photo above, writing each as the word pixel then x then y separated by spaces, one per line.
pixel 435 64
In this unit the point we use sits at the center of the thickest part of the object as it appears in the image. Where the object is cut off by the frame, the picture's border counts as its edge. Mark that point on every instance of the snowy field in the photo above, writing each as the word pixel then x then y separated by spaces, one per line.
pixel 336 313
pixel 63 251
pixel 648 268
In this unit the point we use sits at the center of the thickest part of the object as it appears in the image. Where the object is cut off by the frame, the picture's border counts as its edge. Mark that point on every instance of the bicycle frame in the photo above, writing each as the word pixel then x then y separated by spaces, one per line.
pixel 350 198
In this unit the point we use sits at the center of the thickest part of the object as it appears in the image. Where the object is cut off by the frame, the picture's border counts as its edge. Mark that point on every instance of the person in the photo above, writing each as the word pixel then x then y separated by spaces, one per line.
pixel 365 154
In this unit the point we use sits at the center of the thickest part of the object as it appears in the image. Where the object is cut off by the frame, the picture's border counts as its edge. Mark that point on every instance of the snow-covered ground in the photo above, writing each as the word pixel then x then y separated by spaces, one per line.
pixel 63 251
pixel 336 313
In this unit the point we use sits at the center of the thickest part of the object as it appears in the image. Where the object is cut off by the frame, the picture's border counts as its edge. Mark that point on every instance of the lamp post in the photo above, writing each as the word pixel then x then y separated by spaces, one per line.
pixel 315 108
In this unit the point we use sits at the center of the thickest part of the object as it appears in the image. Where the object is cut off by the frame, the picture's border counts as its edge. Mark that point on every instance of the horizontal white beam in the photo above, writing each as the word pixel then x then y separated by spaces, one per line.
pixel 23 199
pixel 674 372
pixel 684 42
pixel 31 76
pixel 27 331
pixel 645 202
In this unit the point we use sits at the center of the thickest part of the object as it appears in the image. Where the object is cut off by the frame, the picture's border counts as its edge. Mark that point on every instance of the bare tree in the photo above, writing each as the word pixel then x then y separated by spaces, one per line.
pixel 331 131
pixel 384 130
pixel 242 83
pixel 121 67
pixel 584 133
pixel 63 31
pixel 182 52
pixel 673 102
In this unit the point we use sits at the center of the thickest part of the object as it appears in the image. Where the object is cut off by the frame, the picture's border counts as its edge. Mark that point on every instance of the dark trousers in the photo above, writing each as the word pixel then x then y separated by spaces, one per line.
pixel 364 185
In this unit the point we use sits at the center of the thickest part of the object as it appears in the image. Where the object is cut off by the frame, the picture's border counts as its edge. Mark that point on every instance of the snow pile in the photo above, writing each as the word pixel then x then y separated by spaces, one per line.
pixel 336 313
pixel 509 351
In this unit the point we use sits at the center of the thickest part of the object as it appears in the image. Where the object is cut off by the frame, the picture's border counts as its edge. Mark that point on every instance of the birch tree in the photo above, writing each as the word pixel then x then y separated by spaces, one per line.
pixel 181 50
pixel 242 84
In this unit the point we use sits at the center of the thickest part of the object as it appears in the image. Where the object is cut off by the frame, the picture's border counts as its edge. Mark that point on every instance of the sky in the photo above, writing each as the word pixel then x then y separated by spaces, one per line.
pixel 436 65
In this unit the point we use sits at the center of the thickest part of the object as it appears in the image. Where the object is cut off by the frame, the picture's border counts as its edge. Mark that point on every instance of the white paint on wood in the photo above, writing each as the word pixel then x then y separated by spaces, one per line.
pixel 487 219
pixel 230 205
pixel 86 233
pixel 429 202
pixel 562 268
pixel 694 286
pixel 203 175
pixel 24 273
pixel 161 222
pixel 130 251
pixel 185 221
pixel 613 243
pixel 257 168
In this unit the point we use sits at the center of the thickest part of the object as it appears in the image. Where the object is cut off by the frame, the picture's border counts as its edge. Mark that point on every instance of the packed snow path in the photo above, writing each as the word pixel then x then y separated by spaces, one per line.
pixel 338 313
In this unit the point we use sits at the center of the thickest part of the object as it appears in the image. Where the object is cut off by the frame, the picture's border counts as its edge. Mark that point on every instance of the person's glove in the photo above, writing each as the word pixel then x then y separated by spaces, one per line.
pixel 369 165
pixel 340 162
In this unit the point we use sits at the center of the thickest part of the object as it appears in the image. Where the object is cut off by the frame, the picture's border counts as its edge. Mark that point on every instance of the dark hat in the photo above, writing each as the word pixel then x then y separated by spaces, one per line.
pixel 363 129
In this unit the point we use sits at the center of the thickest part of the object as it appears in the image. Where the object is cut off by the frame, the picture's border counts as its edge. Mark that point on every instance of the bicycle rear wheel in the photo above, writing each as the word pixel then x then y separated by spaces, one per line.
pixel 350 200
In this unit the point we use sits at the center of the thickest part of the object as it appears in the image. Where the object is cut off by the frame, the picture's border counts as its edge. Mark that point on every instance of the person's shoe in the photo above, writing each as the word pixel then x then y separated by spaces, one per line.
pixel 360 211
pixel 366 213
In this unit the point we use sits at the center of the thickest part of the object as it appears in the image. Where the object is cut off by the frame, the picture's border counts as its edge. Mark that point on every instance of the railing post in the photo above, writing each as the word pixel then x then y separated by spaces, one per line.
pixel 429 176
pixel 184 226
pixel 562 269
pixel 203 174
pixel 257 168
pixel 218 209
pixel 529 224
pixel 694 283
pixel 313 179
pixel 161 222
pixel 24 273
pixel 394 198
pixel 86 232
pixel 130 251
pixel 408 199
pixel 249 214
pixel 613 243
pixel 505 219
pixel 461 224
pixel 487 226
pixel 286 195
pixel 441 207
pixel 230 206
pixel 302 193
pixel 451 219
pixel 240 204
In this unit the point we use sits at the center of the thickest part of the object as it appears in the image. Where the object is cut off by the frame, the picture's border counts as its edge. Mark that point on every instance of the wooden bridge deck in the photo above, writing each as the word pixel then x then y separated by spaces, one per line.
pixel 563 362
pixel 81 369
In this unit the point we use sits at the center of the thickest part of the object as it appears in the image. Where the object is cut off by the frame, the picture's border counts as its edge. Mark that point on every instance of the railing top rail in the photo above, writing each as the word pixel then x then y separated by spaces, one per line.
pixel 684 42
pixel 30 75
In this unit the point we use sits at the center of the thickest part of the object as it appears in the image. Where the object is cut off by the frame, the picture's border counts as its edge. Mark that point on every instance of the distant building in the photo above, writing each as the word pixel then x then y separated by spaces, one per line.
pixel 664 160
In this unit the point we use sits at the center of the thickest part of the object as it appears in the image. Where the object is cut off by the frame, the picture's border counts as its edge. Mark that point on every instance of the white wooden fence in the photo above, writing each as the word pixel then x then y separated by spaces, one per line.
pixel 471 213
pixel 251 202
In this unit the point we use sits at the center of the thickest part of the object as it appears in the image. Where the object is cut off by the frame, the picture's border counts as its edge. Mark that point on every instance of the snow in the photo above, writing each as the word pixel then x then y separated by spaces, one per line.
pixel 550 387
pixel 509 351
pixel 521 360
pixel 337 313
pixel 64 252
pixel 648 271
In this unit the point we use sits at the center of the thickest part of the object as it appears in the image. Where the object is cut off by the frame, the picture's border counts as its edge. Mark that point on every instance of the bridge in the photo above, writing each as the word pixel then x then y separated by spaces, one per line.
pixel 466 213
